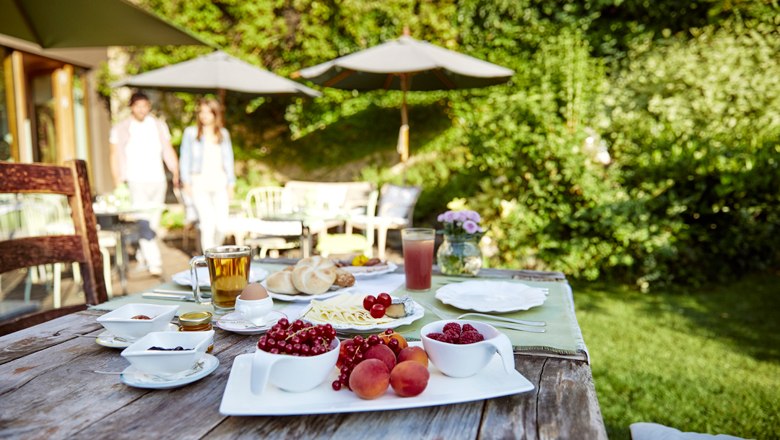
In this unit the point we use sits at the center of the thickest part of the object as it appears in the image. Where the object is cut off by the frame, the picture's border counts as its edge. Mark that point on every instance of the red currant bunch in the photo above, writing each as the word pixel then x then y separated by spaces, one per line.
pixel 297 339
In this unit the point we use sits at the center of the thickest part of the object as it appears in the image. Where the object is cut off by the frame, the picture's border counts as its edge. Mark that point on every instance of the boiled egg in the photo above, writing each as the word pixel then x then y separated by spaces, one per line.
pixel 254 291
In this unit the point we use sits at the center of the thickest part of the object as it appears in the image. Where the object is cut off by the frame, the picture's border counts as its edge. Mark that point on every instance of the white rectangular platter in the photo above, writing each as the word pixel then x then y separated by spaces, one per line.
pixel 238 400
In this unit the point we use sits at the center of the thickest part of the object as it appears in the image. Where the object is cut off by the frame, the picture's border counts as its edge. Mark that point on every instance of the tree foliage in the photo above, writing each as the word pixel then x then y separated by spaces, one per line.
pixel 684 95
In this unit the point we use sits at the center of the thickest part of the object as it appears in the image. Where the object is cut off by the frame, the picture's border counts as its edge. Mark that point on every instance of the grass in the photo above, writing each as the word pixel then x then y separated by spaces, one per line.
pixel 705 360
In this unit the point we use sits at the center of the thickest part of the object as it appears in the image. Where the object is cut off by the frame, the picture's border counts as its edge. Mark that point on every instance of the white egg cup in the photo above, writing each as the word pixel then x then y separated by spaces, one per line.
pixel 255 310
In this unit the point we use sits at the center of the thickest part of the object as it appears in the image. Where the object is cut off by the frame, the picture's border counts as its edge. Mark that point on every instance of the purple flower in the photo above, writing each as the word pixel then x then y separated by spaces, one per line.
pixel 471 227
pixel 448 217
pixel 473 216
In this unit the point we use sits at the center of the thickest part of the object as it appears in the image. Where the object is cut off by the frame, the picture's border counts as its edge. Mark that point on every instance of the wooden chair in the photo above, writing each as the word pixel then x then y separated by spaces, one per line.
pixel 394 211
pixel 82 246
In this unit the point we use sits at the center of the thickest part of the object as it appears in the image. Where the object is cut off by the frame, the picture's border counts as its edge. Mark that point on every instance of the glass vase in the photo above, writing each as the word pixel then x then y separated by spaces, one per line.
pixel 459 256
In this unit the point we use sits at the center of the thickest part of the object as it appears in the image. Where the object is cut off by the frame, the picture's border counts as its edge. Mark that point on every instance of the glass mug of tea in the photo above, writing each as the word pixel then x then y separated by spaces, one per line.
pixel 228 273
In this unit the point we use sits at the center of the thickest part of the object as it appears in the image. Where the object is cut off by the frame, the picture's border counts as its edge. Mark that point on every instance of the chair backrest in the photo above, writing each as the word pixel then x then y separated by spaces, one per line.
pixel 264 202
pixel 398 202
pixel 81 246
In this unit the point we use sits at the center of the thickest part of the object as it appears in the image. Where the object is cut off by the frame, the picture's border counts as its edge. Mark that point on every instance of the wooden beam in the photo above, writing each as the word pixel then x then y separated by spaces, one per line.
pixel 64 122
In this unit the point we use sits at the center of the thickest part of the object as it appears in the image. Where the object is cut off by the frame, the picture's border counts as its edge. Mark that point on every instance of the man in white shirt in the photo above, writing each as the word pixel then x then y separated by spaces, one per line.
pixel 139 146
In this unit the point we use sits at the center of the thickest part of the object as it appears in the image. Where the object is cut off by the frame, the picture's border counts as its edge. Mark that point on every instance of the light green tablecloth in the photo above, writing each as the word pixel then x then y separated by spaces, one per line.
pixel 562 338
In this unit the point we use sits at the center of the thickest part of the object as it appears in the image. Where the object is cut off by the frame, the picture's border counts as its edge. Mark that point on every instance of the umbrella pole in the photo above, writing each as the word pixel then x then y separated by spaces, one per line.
pixel 221 93
pixel 403 135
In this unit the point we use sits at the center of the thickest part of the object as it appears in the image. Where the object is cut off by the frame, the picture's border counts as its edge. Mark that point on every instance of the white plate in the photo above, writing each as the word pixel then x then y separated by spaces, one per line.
pixel 135 378
pixel 106 339
pixel 417 313
pixel 256 273
pixel 235 322
pixel 238 399
pixel 491 296
pixel 389 267
pixel 302 297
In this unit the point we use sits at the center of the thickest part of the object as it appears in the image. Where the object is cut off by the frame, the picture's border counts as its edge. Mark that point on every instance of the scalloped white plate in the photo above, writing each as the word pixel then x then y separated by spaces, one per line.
pixel 387 268
pixel 302 297
pixel 491 296
pixel 417 313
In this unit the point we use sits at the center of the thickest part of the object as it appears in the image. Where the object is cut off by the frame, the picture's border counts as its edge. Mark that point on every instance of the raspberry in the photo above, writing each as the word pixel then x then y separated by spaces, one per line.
pixel 470 337
pixel 469 328
pixel 438 337
pixel 451 335
pixel 453 326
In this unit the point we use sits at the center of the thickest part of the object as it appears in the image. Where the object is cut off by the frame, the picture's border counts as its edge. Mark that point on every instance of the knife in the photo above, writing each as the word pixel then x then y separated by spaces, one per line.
pixel 168 296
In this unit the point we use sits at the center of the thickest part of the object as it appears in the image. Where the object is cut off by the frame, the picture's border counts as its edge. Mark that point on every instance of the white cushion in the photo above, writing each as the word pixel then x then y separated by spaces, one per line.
pixel 654 431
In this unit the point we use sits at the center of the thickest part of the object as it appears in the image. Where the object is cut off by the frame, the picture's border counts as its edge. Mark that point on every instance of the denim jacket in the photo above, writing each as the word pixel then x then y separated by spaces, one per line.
pixel 191 155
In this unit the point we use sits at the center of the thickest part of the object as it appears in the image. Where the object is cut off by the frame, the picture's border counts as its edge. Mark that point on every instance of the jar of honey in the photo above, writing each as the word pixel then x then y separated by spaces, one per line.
pixel 196 322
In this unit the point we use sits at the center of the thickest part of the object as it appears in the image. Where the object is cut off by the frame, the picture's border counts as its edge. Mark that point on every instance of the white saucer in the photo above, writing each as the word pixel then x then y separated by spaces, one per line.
pixel 106 339
pixel 236 323
pixel 135 378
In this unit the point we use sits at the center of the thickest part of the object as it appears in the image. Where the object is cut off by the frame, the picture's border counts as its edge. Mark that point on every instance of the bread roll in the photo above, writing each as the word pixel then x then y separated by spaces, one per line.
pixel 344 278
pixel 314 275
pixel 281 282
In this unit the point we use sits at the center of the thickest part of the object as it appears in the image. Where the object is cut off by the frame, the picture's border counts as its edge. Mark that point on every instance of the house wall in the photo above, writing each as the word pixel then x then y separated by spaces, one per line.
pixel 42 113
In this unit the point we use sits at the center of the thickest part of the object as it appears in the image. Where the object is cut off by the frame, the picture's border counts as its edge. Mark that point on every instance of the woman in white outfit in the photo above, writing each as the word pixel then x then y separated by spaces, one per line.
pixel 207 171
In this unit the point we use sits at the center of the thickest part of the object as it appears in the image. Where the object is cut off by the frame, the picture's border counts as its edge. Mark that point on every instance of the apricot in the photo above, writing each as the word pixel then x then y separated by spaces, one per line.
pixel 409 378
pixel 416 354
pixel 388 338
pixel 369 379
pixel 383 353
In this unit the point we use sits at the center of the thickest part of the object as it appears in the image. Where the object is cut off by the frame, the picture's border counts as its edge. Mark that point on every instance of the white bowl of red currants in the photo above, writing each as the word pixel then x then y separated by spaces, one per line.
pixel 294 357
pixel 462 348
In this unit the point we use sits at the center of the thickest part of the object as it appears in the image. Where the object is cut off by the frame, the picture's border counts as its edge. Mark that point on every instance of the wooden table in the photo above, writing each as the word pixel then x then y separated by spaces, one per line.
pixel 48 389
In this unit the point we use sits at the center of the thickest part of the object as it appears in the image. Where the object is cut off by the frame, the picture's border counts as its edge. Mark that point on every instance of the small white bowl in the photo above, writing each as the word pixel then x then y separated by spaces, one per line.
pixel 255 310
pixel 292 373
pixel 120 323
pixel 464 360
pixel 167 363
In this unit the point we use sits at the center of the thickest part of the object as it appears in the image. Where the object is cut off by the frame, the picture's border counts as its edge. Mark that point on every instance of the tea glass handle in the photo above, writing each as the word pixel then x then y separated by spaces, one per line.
pixel 194 263
pixel 504 348
pixel 261 370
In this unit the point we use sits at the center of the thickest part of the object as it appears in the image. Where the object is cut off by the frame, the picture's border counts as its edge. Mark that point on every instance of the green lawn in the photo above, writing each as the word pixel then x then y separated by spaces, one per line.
pixel 705 360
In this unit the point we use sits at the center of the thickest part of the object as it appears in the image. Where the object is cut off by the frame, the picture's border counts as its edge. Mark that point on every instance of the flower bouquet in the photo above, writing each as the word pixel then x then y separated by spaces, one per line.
pixel 459 254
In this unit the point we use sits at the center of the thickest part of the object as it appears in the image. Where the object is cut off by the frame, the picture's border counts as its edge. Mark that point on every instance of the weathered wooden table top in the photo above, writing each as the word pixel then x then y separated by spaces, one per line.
pixel 49 389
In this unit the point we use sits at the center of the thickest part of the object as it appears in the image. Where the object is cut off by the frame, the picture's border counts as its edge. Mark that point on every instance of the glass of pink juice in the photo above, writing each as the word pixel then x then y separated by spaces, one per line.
pixel 418 257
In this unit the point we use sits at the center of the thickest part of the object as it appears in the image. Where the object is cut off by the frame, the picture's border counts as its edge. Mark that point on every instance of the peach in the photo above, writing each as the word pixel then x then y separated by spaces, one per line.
pixel 413 354
pixel 383 353
pixel 409 378
pixel 369 379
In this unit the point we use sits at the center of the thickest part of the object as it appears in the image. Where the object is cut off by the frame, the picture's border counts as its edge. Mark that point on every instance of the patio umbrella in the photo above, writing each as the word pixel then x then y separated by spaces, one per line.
pixel 219 72
pixel 406 64
pixel 87 23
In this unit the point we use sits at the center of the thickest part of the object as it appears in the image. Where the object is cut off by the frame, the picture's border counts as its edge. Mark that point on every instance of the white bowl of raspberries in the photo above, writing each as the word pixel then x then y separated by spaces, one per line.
pixel 462 348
